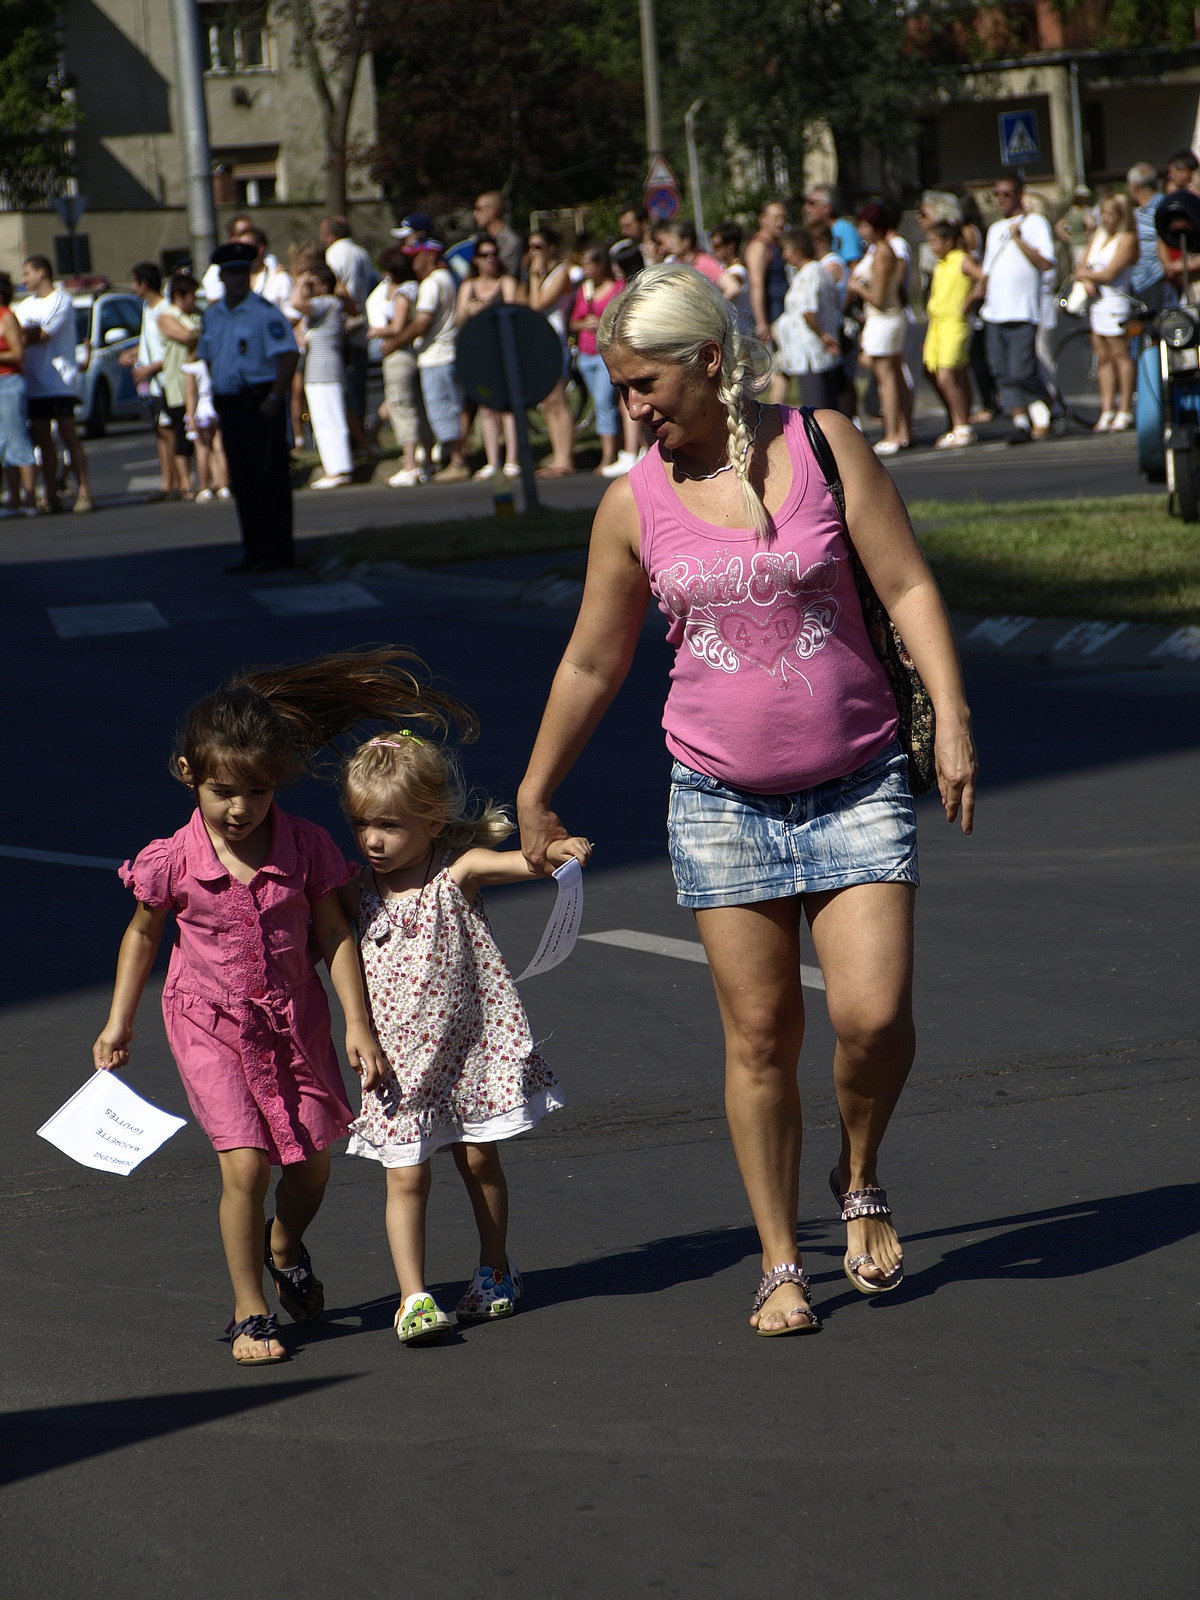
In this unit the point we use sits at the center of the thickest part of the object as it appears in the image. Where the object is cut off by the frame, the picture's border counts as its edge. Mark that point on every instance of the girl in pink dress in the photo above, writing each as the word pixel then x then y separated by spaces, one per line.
pixel 462 1068
pixel 245 1013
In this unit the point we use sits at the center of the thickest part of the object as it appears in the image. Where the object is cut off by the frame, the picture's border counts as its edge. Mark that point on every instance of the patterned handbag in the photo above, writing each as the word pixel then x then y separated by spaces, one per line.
pixel 913 705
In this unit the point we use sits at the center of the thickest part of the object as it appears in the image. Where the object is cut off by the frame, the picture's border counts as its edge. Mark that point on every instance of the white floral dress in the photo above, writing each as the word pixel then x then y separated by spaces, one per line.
pixel 462 1064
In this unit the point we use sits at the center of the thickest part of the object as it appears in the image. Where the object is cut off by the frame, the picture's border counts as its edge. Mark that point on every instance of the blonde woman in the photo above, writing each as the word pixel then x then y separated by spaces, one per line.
pixel 790 798
pixel 1107 270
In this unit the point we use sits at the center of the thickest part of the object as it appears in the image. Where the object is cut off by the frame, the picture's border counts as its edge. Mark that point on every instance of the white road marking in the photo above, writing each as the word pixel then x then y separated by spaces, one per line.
pixel 313 598
pixel 58 858
pixel 139 485
pixel 78 622
pixel 138 466
pixel 1000 630
pixel 1085 638
pixel 1182 645
pixel 657 944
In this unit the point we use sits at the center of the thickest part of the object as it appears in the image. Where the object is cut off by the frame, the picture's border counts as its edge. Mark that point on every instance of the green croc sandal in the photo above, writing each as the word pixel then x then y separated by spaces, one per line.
pixel 420 1320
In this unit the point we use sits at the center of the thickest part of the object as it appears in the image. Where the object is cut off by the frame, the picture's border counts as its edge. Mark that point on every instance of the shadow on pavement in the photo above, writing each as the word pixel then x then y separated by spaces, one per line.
pixel 1065 1242
pixel 56 1436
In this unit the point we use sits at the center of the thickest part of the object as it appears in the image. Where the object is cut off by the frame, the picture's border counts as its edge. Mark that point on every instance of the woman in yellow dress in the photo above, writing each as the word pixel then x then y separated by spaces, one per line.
pixel 947 347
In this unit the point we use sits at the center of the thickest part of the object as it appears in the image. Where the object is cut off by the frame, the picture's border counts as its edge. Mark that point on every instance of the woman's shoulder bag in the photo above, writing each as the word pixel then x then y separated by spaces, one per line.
pixel 913 705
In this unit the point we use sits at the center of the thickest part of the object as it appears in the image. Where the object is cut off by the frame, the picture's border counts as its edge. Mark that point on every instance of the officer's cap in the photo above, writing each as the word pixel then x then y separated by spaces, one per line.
pixel 234 255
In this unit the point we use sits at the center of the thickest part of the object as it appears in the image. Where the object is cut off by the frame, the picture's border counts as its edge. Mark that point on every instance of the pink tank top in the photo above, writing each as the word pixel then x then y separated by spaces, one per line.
pixel 775 685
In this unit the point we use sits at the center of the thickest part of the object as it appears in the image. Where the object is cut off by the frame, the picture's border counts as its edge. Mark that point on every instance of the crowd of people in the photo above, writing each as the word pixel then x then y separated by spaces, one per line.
pixel 831 296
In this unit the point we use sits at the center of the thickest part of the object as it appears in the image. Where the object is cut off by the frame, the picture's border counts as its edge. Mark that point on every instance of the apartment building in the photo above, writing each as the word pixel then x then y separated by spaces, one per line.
pixel 264 132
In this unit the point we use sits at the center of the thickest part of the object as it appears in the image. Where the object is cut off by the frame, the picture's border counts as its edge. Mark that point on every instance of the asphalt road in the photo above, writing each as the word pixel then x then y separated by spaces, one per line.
pixel 1018 1420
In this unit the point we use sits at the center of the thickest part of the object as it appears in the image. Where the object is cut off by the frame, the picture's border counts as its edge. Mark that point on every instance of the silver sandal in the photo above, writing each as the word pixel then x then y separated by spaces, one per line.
pixel 855 1203
pixel 788 1272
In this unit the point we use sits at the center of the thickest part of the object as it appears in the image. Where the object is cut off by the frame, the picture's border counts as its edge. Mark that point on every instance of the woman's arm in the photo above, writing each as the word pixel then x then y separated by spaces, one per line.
pixel 543 292
pixel 1124 256
pixel 179 331
pixel 13 335
pixel 592 669
pixel 461 303
pixel 138 950
pixel 889 551
pixel 337 946
pixel 483 869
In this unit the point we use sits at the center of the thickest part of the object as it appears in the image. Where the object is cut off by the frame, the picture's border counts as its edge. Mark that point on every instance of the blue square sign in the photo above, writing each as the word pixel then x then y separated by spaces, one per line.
pixel 1018 138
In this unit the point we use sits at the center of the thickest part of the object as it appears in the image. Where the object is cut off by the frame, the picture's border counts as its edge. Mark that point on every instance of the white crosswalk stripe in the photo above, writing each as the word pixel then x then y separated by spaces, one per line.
pixel 657 944
pixel 81 622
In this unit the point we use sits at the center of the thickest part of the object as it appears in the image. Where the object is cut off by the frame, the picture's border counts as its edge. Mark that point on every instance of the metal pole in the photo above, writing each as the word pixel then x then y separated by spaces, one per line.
pixel 191 116
pixel 654 141
pixel 1077 125
pixel 689 127
pixel 516 401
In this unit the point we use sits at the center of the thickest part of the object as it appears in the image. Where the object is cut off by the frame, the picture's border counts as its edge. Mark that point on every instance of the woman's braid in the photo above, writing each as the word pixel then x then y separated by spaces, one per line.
pixel 735 393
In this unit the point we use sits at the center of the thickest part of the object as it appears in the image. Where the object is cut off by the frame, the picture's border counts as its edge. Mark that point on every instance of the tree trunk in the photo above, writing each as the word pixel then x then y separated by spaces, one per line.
pixel 335 111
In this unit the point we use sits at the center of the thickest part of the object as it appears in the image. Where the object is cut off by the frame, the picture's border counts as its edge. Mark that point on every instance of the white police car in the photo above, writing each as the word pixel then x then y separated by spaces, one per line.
pixel 107 322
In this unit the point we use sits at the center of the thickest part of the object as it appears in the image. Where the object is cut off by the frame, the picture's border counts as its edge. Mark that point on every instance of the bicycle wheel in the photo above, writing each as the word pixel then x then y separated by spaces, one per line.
pixel 1075 376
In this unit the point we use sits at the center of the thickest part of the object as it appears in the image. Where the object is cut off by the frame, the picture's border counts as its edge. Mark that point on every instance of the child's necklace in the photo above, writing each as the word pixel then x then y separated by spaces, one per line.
pixel 407 924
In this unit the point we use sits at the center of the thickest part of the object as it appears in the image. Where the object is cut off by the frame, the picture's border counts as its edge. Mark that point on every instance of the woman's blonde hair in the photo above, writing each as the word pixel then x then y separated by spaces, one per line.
pixel 401 775
pixel 1124 210
pixel 670 312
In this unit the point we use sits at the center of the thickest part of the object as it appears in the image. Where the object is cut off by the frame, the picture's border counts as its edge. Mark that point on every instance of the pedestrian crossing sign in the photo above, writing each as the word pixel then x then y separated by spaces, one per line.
pixel 1018 138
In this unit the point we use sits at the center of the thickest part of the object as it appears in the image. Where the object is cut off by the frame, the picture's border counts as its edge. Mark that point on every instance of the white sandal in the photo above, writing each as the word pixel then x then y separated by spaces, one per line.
pixel 420 1319
pixel 855 1203
pixel 1105 423
pixel 1122 422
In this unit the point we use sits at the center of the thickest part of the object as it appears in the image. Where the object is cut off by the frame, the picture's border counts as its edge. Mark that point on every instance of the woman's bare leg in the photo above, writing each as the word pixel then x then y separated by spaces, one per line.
pixel 754 954
pixel 560 425
pixel 489 427
pixel 1106 373
pixel 481 1172
pixel 1126 372
pixel 863 940
pixel 887 376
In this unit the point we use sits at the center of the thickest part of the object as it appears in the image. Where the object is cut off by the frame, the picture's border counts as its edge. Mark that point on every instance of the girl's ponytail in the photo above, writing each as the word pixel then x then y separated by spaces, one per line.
pixel 273 720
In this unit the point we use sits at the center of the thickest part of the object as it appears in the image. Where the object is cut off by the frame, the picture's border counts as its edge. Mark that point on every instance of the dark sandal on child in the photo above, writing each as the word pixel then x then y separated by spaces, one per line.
pixel 855 1203
pixel 301 1293
pixel 262 1330
pixel 789 1272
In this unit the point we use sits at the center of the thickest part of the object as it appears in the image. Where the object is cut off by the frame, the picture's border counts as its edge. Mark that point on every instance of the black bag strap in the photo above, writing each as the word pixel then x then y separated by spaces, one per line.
pixel 826 460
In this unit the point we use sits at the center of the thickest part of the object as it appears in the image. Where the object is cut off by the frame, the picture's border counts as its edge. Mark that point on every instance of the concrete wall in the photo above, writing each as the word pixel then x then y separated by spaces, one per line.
pixel 119 238
pixel 121 55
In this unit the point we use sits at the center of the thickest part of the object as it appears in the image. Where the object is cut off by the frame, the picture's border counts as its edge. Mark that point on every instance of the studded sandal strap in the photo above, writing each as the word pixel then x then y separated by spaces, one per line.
pixel 871 1202
pixel 788 1272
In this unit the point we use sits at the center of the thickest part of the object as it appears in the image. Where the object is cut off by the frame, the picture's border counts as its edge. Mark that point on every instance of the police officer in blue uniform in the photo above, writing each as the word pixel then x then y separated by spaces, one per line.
pixel 251 357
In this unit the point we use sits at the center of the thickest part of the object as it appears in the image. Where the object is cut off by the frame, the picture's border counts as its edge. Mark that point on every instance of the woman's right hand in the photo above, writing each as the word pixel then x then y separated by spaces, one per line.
pixel 540 827
pixel 111 1049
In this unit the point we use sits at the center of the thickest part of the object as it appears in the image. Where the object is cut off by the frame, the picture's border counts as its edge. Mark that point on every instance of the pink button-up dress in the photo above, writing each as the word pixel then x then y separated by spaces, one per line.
pixel 246 1014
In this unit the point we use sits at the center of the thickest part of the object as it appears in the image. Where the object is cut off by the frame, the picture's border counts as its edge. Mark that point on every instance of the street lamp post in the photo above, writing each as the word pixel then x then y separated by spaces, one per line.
pixel 191 117
pixel 689 127
pixel 654 141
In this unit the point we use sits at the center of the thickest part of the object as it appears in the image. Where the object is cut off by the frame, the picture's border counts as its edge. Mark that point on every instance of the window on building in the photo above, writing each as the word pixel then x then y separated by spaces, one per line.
pixel 246 175
pixel 237 36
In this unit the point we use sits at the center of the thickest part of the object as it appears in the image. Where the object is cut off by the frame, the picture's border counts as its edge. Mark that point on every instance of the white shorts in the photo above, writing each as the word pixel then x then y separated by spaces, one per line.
pixel 884 334
pixel 1108 313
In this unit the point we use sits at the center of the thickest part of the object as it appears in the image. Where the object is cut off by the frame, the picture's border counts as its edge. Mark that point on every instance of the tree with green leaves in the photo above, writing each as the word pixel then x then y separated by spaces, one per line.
pixel 36 113
pixel 538 98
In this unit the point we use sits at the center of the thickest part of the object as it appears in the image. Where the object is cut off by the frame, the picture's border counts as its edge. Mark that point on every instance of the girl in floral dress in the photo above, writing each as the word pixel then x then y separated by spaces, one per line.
pixel 462 1067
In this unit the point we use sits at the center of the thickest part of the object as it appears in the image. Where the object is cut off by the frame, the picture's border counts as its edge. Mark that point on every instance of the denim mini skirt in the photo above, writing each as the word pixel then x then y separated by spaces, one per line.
pixel 732 848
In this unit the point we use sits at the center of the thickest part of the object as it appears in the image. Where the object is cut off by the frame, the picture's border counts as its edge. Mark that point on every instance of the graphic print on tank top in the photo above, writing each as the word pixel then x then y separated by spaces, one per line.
pixel 765 614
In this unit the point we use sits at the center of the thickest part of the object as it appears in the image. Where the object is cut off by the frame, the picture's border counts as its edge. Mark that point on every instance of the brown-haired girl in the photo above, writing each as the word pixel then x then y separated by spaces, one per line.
pixel 246 1015
pixel 462 1068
